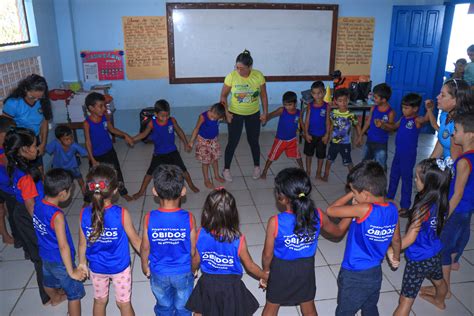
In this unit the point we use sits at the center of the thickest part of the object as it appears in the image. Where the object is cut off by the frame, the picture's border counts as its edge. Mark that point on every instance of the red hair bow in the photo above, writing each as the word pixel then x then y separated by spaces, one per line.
pixel 219 188
pixel 97 186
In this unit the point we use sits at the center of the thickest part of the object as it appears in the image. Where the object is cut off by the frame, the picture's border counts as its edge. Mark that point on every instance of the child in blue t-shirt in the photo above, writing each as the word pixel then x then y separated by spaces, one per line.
pixel 208 149
pixel 162 128
pixel 376 146
pixel 291 243
pixel 169 244
pixel 65 151
pixel 99 144
pixel 285 139
pixel 315 129
pixel 406 143
pixel 55 243
pixel 374 226
pixel 105 232
pixel 421 241
pixel 222 253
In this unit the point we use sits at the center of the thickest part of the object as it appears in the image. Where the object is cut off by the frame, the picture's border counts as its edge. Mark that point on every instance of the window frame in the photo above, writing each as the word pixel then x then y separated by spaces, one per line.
pixel 28 41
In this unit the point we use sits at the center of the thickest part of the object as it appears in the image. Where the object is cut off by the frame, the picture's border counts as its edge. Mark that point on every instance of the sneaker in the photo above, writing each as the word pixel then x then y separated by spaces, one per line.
pixel 256 173
pixel 227 176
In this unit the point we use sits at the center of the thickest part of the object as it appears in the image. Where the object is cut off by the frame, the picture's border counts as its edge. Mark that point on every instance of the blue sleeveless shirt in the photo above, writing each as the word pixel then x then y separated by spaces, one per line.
pixel 466 204
pixel 209 129
pixel 109 254
pixel 446 129
pixel 163 137
pixel 169 234
pixel 317 119
pixel 369 237
pixel 5 185
pixel 43 222
pixel 406 140
pixel 287 125
pixel 100 137
pixel 288 245
pixel 376 134
pixel 427 244
pixel 219 257
pixel 17 176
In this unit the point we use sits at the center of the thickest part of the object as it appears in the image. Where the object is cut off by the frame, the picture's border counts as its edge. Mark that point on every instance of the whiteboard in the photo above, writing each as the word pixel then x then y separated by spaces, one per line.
pixel 287 42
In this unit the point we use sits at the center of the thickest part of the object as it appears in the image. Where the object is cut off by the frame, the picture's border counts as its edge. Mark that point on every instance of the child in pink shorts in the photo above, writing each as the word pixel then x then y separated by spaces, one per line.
pixel 106 230
pixel 208 149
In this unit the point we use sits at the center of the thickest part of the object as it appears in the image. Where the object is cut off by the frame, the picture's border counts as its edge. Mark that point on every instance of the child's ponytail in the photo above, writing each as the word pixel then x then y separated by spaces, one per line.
pixel 436 180
pixel 101 185
pixel 295 185
pixel 15 139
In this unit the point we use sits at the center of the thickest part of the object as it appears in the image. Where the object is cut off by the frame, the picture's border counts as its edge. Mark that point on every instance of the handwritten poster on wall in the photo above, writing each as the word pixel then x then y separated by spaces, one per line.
pixel 103 65
pixel 146 47
pixel 355 39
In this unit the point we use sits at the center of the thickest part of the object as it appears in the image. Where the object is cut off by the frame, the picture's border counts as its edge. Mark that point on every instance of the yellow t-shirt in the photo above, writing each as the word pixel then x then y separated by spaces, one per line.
pixel 245 92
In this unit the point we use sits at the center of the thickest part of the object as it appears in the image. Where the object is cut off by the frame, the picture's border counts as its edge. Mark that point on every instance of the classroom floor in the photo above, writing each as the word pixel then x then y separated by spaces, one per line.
pixel 18 289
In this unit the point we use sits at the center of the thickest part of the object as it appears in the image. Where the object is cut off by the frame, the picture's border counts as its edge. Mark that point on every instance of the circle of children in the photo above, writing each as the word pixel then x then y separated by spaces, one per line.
pixel 173 249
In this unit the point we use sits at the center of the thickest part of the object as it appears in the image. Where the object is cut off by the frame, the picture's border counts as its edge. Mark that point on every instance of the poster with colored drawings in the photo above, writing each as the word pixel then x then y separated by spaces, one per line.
pixel 103 65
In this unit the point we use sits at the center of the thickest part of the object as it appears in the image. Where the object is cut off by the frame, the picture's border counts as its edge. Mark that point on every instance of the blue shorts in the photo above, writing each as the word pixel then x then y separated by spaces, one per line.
pixel 55 276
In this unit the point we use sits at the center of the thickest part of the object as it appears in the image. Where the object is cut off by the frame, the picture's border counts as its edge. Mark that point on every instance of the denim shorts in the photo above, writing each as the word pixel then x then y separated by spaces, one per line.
pixel 343 149
pixel 172 293
pixel 55 276
pixel 455 236
pixel 377 152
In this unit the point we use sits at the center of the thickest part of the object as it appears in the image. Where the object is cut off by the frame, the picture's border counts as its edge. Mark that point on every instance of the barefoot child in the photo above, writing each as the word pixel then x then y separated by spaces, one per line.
pixel 456 231
pixel 285 140
pixel 315 128
pixel 222 251
pixel 208 149
pixel 169 244
pixel 374 226
pixel 98 142
pixel 291 243
pixel 163 127
pixel 105 232
pixel 341 123
pixel 421 241
pixel 56 246
pixel 64 151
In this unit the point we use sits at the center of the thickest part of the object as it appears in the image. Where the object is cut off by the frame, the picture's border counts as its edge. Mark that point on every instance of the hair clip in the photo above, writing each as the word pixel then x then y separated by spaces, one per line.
pixel 301 195
pixel 219 188
pixel 97 186
pixel 444 163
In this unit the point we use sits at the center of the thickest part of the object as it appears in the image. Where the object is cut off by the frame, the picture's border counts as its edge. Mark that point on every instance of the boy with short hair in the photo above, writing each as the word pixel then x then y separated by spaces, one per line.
pixel 99 145
pixel 55 243
pixel 375 226
pixel 167 258
pixel 64 150
pixel 376 145
pixel 406 143
pixel 315 128
pixel 456 231
pixel 163 128
pixel 341 122
pixel 469 68
pixel 285 139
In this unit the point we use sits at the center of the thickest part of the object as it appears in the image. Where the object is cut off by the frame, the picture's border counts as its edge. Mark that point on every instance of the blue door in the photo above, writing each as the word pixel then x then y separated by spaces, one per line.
pixel 413 52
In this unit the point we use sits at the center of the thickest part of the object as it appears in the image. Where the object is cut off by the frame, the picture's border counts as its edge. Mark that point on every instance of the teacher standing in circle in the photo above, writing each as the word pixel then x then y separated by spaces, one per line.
pixel 247 88
pixel 29 106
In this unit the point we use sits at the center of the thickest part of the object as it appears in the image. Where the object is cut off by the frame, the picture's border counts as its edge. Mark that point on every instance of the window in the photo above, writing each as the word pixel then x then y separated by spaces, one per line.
pixel 13 23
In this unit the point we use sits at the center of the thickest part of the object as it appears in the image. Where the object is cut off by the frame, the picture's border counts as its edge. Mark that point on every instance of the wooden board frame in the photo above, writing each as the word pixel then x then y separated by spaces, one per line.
pixel 251 6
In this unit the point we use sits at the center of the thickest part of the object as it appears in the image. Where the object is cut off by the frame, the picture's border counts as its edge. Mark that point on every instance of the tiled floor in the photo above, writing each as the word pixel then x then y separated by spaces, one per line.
pixel 18 292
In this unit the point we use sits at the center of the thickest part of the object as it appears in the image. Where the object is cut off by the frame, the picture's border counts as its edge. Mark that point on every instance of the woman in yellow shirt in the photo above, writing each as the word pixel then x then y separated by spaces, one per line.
pixel 247 88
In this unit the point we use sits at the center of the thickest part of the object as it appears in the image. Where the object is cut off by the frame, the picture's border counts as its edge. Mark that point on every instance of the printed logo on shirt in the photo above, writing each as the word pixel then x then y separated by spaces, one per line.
pixel 322 113
pixel 170 129
pixel 243 94
pixel 216 260
pixel 168 236
pixel 108 235
pixel 446 134
pixel 410 124
pixel 434 223
pixel 296 119
pixel 105 125
pixel 40 111
pixel 39 226
pixel 385 118
pixel 298 243
pixel 380 233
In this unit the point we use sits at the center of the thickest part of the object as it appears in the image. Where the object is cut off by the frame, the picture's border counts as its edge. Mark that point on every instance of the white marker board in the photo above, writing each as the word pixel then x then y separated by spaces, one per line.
pixel 288 42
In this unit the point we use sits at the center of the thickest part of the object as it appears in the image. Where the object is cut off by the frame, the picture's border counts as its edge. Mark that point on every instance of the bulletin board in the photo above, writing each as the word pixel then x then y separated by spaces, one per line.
pixel 355 40
pixel 288 42
pixel 103 65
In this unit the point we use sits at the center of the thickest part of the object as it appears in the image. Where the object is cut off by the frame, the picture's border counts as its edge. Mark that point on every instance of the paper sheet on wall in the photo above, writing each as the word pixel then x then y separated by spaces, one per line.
pixel 146 47
pixel 91 72
pixel 355 39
